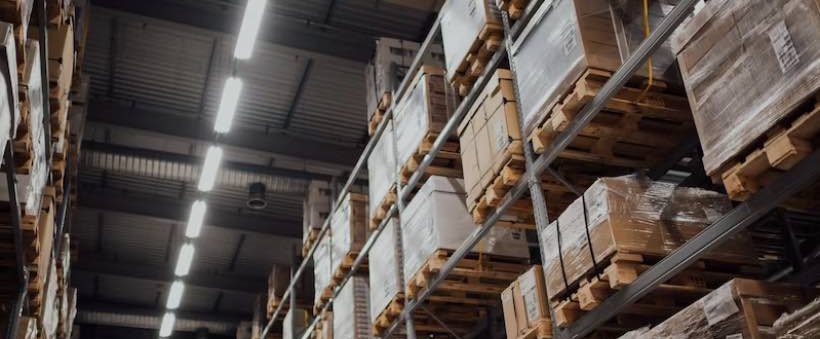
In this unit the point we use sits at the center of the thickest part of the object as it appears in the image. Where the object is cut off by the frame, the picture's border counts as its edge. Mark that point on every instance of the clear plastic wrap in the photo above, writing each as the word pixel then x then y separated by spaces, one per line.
pixel 461 23
pixel 746 66
pixel 740 308
pixel 801 324
pixel 386 275
pixel 381 170
pixel 34 182
pixel 627 17
pixel 349 228
pixel 322 271
pixel 635 215
pixel 424 110
pixel 316 206
pixel 8 67
pixel 351 319
pixel 437 218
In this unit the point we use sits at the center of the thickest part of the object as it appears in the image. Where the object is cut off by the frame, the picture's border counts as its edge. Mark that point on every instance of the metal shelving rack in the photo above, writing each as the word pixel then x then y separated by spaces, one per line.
pixel 736 220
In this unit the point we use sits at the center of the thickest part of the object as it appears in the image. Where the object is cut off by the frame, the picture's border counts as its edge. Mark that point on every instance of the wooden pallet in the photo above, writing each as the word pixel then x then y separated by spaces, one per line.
pixel 635 129
pixel 324 298
pixel 376 118
pixel 273 304
pixel 344 268
pixel 460 319
pixel 783 148
pixel 484 46
pixel 478 279
pixel 667 299
pixel 542 330
pixel 312 235
pixel 514 7
pixel 382 208
pixel 447 162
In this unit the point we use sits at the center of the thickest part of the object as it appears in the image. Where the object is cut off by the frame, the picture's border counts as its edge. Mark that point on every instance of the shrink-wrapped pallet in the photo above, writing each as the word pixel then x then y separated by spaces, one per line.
pixel 322 269
pixel 632 214
pixel 349 229
pixel 437 219
pixel 295 323
pixel 747 65
pixel 391 61
pixel 351 318
pixel 800 324
pixel 9 101
pixel 462 24
pixel 567 37
pixel 741 308
pixel 316 206
pixel 381 171
pixel 26 328
pixel 384 264
pixel 525 306
pixel 50 307
pixel 278 282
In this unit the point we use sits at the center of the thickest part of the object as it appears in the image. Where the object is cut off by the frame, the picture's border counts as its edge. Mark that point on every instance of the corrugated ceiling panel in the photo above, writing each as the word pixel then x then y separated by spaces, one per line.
pixel 237 302
pixel 129 238
pixel 199 299
pixel 215 249
pixel 258 256
pixel 129 291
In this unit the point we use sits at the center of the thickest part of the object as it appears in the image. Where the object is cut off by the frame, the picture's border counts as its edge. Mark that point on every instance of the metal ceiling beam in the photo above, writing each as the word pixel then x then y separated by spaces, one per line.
pixel 156 206
pixel 298 96
pixel 92 264
pixel 195 128
pixel 281 29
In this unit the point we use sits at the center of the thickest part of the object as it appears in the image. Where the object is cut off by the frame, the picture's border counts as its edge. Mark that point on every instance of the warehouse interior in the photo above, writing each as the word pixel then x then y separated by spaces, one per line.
pixel 522 169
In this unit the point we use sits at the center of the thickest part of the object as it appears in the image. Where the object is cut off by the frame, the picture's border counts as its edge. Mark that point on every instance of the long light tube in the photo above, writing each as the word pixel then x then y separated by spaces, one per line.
pixel 227 107
pixel 196 219
pixel 210 168
pixel 186 255
pixel 175 295
pixel 250 28
pixel 167 327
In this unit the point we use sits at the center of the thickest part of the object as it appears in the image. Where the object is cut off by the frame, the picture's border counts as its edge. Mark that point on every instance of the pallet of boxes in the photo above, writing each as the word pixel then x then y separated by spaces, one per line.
pixel 278 282
pixel 754 90
pixel 315 208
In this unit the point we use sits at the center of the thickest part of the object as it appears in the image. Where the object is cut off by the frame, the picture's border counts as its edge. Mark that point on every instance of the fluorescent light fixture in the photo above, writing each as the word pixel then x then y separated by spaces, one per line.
pixel 167 326
pixel 250 28
pixel 186 255
pixel 211 167
pixel 227 107
pixel 175 295
pixel 196 219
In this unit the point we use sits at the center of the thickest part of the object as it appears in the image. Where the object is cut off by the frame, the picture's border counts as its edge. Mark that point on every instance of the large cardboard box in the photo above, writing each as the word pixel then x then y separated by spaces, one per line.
pixel 436 218
pixel 381 171
pixel 278 282
pixel 632 214
pixel 322 266
pixel 489 135
pixel 525 305
pixel 350 310
pixel 741 308
pixel 423 111
pixel 462 23
pixel 349 228
pixel 316 206
pixel 746 66
pixel 386 274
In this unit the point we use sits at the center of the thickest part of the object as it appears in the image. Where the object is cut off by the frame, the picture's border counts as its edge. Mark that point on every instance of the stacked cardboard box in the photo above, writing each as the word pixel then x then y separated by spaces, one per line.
pixel 471 31
pixel 315 209
pixel 349 233
pixel 278 282
pixel 322 271
pixel 751 68
pixel 381 173
pixel 525 307
pixel 351 318
pixel 741 308
pixel 634 215
pixel 386 275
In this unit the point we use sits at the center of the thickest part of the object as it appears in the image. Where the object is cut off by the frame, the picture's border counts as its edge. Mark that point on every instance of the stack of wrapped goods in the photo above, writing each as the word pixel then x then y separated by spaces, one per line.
pixel 322 273
pixel 386 278
pixel 278 282
pixel 67 296
pixel 471 31
pixel 618 228
pixel 295 323
pixel 351 319
pixel 348 229
pixel 434 224
pixel 802 323
pixel 741 308
pixel 752 72
pixel 381 175
pixel 315 209
pixel 525 307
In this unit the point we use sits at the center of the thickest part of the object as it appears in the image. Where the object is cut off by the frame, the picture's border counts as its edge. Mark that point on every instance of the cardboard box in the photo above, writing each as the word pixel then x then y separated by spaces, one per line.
pixel 746 66
pixel 525 305
pixel 632 214
pixel 741 308
pixel 381 170
pixel 322 266
pixel 350 310
pixel 295 323
pixel 462 22
pixel 424 110
pixel 348 225
pixel 436 218
pixel 316 206
pixel 384 265
pixel 487 134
